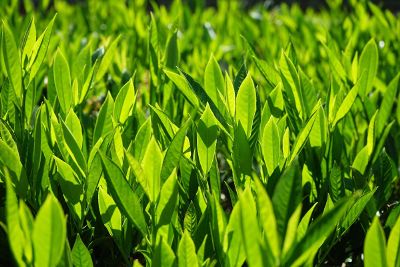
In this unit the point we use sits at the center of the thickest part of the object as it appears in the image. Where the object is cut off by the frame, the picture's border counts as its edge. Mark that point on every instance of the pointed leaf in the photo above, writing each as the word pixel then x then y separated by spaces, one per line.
pixel 80 254
pixel 187 252
pixel 49 233
pixel 207 132
pixel 375 246
pixel 123 194
pixel 271 145
pixel 246 104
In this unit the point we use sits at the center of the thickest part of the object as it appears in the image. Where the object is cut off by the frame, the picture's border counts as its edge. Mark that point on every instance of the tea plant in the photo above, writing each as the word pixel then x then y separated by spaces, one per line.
pixel 198 136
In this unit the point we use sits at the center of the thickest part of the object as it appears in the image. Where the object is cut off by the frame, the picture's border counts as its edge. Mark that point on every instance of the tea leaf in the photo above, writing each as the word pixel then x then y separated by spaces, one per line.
pixel 80 254
pixel 369 65
pixel 271 145
pixel 187 252
pixel 375 245
pixel 246 104
pixel 49 233
pixel 207 131
pixel 123 194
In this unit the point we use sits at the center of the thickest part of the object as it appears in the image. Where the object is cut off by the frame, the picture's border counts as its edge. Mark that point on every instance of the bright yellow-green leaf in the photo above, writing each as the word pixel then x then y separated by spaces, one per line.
pixel 62 81
pixel 271 145
pixel 385 109
pixel 207 132
pixel 12 61
pixel 49 233
pixel 187 252
pixel 268 219
pixel 151 164
pixel 214 82
pixel 371 135
pixel 393 246
pixel 302 137
pixel 124 102
pixel 80 254
pixel 249 229
pixel 369 66
pixel 246 104
pixel 122 193
pixel 375 246
pixel 107 58
pixel 361 161
pixel 347 103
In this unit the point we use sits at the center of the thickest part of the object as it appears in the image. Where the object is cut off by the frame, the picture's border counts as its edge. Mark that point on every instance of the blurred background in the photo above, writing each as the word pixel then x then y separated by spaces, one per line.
pixel 393 5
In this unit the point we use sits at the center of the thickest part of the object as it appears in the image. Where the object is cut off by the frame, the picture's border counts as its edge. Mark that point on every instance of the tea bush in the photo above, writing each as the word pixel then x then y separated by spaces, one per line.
pixel 198 136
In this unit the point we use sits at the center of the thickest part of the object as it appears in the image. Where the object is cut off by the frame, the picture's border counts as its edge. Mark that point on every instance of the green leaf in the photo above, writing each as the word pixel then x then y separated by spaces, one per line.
pixel 302 137
pixel 242 154
pixel 249 229
pixel 308 93
pixel 62 81
pixel 347 103
pixel 306 248
pixel 151 164
pixel 174 151
pixel 214 82
pixel 80 254
pixel 172 51
pixel 291 82
pixel 167 201
pixel 139 173
pixel 73 149
pixel 361 161
pixel 246 104
pixel 10 159
pixel 318 134
pixel 49 233
pixel 354 212
pixel 385 109
pixel 187 252
pixel 305 221
pixel 337 66
pixel 271 145
pixel 393 246
pixel 40 50
pixel 336 183
pixel 123 194
pixel 71 187
pixel 124 102
pixel 166 124
pixel 107 59
pixel 369 65
pixel 287 196
pixel 26 224
pixel 218 224
pixel 183 86
pixel 74 125
pixel 207 132
pixel 104 122
pixel 230 96
pixel 190 219
pixel 29 40
pixel 142 139
pixel 164 256
pixel 375 246
pixel 110 214
pixel 371 135
pixel 291 230
pixel 13 62
pixel 267 217
pixel 233 244
pixel 14 231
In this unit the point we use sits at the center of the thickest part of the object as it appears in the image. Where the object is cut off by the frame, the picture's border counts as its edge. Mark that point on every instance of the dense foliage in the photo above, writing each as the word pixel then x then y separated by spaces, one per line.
pixel 192 136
